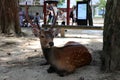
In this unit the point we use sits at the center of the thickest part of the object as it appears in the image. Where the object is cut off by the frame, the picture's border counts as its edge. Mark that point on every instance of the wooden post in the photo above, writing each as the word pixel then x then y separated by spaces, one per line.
pixel 44 11
pixel 62 32
pixel 68 11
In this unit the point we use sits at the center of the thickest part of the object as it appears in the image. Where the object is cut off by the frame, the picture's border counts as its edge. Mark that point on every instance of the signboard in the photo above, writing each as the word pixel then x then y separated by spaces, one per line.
pixel 82 13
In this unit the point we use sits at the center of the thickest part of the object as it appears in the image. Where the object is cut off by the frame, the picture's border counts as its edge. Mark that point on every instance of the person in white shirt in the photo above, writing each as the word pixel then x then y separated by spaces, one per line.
pixel 55 12
pixel 50 15
pixel 63 17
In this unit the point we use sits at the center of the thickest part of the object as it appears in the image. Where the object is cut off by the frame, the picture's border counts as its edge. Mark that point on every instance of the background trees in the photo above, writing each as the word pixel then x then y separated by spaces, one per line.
pixel 101 4
pixel 61 2
pixel 9 20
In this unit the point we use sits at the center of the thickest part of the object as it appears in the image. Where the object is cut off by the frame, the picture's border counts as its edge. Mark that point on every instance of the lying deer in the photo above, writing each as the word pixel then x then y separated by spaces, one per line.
pixel 63 60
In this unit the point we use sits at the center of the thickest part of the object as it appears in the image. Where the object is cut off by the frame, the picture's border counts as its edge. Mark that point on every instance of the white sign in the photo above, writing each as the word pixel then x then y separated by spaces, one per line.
pixel 82 11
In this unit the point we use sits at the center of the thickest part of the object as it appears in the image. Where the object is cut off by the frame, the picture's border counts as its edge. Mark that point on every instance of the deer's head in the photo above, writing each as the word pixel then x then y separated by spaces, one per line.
pixel 46 37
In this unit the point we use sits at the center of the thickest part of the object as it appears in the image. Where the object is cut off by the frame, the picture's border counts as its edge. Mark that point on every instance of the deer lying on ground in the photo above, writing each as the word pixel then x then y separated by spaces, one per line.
pixel 63 60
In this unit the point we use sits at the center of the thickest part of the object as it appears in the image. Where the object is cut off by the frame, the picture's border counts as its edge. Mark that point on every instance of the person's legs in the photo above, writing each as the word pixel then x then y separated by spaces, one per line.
pixel 72 21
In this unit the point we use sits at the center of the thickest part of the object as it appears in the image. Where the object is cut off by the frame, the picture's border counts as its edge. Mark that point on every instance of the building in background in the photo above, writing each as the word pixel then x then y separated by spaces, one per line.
pixel 34 6
pixel 23 2
pixel 31 2
pixel 96 11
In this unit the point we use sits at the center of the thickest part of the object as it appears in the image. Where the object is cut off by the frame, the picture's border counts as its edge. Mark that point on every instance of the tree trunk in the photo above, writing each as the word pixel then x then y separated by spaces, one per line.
pixel 9 19
pixel 111 40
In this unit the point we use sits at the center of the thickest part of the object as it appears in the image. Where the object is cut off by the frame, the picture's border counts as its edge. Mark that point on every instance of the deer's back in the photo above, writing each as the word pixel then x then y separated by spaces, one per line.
pixel 73 56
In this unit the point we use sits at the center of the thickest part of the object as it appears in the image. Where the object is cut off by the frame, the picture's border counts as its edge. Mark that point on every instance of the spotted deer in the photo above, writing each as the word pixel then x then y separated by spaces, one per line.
pixel 63 60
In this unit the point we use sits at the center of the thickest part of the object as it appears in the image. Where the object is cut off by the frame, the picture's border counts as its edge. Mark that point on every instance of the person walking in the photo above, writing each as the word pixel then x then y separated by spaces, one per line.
pixel 55 12
pixel 50 16
pixel 73 15
pixel 37 19
pixel 89 13
pixel 21 17
pixel 63 17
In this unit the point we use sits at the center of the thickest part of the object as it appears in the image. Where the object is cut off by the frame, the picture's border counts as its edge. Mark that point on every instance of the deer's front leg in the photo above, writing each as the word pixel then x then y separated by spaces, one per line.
pixel 51 69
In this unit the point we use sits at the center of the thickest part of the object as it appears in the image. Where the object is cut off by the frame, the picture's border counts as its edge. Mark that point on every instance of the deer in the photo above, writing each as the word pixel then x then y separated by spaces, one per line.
pixel 66 59
pixel 62 60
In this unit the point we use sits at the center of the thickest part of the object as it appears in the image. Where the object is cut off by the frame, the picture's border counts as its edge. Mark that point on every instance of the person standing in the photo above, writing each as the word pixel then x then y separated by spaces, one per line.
pixel 89 13
pixel 21 17
pixel 50 16
pixel 55 12
pixel 37 19
pixel 74 20
pixel 73 15
pixel 63 17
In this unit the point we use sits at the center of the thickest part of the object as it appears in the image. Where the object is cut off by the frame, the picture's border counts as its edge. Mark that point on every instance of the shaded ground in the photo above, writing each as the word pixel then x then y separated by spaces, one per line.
pixel 20 58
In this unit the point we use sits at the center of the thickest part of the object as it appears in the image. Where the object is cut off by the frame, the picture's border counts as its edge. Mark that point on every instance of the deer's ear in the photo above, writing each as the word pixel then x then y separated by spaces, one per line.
pixel 56 32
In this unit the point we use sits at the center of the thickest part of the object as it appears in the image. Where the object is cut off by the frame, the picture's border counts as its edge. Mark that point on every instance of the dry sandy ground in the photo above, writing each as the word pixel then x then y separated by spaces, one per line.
pixel 20 58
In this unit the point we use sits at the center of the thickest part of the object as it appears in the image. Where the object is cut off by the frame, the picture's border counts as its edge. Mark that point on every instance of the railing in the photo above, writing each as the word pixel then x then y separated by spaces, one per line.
pixel 62 27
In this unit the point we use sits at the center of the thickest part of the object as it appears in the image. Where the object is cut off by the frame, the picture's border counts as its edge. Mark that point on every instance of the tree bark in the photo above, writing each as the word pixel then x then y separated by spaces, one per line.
pixel 111 40
pixel 9 19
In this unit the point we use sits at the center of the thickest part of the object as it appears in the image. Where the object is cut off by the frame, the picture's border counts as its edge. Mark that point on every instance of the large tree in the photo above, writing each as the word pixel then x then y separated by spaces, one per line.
pixel 111 41
pixel 9 21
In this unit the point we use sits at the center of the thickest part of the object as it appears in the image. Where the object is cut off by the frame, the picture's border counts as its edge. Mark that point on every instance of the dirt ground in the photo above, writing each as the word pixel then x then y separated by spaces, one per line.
pixel 20 57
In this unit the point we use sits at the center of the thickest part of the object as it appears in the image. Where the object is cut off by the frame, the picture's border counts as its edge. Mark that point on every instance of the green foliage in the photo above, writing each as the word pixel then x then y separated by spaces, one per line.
pixel 61 2
pixel 78 0
pixel 101 4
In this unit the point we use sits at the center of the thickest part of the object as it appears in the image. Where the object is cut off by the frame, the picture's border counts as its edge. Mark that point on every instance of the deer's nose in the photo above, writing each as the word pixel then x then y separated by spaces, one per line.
pixel 51 44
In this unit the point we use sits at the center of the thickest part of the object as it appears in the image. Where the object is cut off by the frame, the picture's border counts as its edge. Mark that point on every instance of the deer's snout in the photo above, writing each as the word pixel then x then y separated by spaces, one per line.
pixel 51 44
